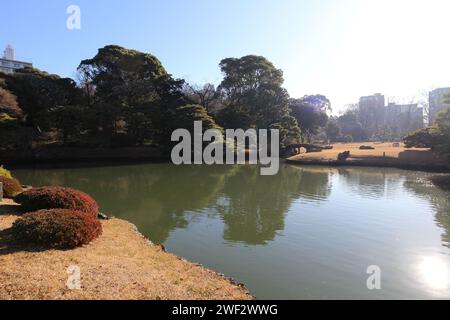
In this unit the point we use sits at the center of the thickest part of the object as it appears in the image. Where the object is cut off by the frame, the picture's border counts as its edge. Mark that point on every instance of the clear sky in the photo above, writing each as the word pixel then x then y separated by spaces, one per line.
pixel 340 48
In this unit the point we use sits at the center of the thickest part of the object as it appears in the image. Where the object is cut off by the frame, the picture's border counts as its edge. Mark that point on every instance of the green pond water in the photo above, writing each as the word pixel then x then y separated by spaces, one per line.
pixel 305 233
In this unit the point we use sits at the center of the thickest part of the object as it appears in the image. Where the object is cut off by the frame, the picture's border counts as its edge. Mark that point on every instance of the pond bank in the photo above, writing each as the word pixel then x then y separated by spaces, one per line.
pixel 73 155
pixel 120 264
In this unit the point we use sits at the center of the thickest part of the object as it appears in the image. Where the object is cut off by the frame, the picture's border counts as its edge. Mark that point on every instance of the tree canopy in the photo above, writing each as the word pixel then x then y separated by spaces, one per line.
pixel 253 95
pixel 310 113
pixel 125 97
pixel 436 137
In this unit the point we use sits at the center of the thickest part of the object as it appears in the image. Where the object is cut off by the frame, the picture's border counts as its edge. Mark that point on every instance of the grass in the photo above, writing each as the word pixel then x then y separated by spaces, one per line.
pixel 120 264
pixel 384 154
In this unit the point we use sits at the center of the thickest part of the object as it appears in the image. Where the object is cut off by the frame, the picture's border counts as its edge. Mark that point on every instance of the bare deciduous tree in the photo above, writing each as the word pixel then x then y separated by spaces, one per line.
pixel 205 95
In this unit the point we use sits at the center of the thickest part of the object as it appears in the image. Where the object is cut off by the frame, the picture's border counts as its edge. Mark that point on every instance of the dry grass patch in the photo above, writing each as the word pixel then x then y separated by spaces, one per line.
pixel 382 154
pixel 120 264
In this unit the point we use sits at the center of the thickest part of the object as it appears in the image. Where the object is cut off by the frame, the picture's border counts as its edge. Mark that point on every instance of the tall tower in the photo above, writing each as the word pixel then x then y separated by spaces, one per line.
pixel 9 53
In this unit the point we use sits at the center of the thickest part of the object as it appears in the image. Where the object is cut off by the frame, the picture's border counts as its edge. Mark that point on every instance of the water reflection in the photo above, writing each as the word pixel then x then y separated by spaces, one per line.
pixel 157 197
pixel 422 187
pixel 256 206
pixel 307 232
pixel 371 183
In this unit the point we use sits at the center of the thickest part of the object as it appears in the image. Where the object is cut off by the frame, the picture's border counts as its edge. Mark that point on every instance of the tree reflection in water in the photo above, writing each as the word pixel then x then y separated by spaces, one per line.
pixel 159 198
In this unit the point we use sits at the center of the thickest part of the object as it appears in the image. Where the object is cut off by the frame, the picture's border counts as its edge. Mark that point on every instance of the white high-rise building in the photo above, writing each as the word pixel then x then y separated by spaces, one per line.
pixel 9 53
pixel 8 62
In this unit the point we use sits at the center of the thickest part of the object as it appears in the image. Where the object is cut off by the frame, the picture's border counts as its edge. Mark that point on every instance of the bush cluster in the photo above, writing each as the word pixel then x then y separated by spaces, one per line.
pixel 11 187
pixel 5 173
pixel 57 198
pixel 57 228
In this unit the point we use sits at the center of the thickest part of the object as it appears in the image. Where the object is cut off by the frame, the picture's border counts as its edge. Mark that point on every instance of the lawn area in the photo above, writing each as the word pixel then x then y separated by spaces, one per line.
pixel 383 154
pixel 120 264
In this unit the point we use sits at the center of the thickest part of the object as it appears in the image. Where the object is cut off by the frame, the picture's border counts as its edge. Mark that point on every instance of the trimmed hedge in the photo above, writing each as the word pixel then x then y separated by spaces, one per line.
pixel 57 228
pixel 57 198
pixel 11 187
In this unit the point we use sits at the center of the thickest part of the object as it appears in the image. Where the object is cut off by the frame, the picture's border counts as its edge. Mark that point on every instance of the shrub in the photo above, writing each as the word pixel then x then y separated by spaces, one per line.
pixel 343 156
pixel 57 198
pixel 11 187
pixel 5 173
pixel 56 228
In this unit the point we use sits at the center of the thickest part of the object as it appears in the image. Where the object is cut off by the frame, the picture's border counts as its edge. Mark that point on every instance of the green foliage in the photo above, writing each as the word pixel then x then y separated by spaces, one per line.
pixel 333 130
pixel 310 112
pixel 436 137
pixel 423 138
pixel 11 187
pixel 133 87
pixel 289 131
pixel 15 136
pixel 37 91
pixel 246 75
pixel 186 115
pixel 126 98
pixel 443 122
pixel 56 228
pixel 66 119
pixel 5 173
pixel 351 127
pixel 233 117
pixel 252 86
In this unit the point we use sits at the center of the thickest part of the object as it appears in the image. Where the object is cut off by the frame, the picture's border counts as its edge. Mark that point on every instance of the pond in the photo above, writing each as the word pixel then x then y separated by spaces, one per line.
pixel 305 233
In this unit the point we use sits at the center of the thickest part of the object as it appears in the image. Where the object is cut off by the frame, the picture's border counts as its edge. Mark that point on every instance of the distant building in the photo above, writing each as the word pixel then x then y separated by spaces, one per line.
pixel 372 112
pixel 404 117
pixel 436 101
pixel 8 62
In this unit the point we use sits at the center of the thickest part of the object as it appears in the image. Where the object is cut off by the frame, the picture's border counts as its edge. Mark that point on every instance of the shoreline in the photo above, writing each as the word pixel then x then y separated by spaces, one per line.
pixel 370 164
pixel 121 264
pixel 382 155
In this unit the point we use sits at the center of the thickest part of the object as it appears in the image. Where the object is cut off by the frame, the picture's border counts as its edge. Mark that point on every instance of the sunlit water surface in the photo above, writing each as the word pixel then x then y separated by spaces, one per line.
pixel 306 233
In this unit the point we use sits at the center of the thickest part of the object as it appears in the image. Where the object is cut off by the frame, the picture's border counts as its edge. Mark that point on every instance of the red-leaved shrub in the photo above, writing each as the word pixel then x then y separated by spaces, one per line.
pixel 57 198
pixel 11 187
pixel 56 228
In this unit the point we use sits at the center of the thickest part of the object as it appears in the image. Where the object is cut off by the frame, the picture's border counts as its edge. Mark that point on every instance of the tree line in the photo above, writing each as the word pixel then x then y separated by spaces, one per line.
pixel 124 97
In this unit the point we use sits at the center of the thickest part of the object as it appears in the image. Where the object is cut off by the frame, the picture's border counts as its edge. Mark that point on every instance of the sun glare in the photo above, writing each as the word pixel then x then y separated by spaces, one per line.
pixel 434 272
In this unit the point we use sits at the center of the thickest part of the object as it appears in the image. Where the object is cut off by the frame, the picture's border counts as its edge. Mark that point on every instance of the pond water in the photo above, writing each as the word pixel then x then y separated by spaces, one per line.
pixel 305 233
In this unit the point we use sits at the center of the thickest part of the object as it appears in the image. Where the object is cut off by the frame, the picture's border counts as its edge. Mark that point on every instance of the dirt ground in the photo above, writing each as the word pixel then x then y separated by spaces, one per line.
pixel 120 264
